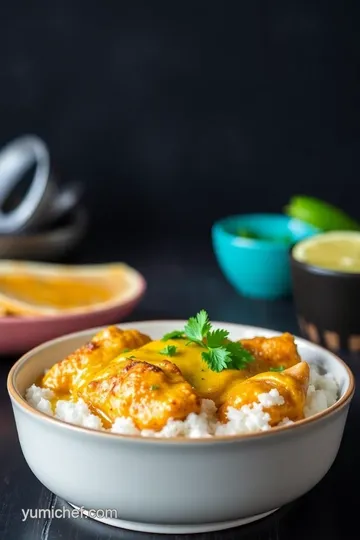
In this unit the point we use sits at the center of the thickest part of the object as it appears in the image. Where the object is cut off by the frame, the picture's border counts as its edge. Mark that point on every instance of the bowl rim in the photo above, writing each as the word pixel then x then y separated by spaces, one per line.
pixel 16 396
pixel 219 226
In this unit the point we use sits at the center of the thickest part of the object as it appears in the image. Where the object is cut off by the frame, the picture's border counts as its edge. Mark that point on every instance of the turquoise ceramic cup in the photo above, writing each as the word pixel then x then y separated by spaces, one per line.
pixel 258 268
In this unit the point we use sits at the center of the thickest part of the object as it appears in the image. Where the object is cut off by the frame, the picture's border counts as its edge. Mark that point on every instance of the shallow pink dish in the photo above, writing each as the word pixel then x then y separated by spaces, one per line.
pixel 19 334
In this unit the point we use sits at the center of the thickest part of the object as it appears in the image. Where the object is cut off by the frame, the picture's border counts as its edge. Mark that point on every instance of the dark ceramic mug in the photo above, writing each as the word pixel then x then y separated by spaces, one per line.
pixel 327 303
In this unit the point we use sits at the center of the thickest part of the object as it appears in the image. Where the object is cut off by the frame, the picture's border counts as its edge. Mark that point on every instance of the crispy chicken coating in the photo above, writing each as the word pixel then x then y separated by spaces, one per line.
pixel 149 394
pixel 72 372
pixel 272 352
pixel 292 384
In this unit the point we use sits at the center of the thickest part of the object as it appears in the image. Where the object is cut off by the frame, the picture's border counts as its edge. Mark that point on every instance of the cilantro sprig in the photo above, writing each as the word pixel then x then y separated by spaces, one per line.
pixel 198 327
pixel 219 353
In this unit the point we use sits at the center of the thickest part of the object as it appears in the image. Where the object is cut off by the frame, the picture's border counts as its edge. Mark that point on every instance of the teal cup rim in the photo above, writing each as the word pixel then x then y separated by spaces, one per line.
pixel 269 277
pixel 219 227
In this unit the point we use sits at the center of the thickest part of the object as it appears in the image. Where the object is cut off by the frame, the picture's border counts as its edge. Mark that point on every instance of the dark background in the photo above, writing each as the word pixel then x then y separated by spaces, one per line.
pixel 176 113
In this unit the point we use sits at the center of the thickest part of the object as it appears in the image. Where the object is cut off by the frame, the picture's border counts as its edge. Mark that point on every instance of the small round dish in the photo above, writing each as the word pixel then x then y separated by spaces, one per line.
pixel 258 267
pixel 150 482
pixel 327 304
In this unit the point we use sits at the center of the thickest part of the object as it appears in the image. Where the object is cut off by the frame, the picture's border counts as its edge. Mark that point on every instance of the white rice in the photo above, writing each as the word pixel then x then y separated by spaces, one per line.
pixel 322 393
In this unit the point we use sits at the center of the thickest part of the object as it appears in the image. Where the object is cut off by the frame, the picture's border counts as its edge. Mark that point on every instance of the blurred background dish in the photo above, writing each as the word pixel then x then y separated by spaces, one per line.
pixel 42 220
pixel 41 301
pixel 38 218
pixel 326 283
pixel 253 252
pixel 19 334
pixel 51 244
pixel 16 159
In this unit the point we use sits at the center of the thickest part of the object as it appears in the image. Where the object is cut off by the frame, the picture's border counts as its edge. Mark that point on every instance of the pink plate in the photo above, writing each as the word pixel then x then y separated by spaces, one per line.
pixel 19 334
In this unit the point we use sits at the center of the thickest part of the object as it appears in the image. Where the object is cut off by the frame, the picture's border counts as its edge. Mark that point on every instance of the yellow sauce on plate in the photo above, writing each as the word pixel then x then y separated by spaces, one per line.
pixel 28 289
pixel 55 291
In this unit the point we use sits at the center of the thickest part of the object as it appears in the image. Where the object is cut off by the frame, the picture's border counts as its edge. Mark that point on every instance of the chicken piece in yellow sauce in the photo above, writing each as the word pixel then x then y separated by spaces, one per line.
pixel 149 394
pixel 272 352
pixel 292 384
pixel 72 372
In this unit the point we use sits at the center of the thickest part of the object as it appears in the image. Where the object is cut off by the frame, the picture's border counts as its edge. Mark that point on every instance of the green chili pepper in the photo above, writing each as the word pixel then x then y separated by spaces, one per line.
pixel 320 214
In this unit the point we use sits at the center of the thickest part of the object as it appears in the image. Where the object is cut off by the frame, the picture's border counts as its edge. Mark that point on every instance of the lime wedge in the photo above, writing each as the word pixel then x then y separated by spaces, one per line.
pixel 337 250
pixel 320 214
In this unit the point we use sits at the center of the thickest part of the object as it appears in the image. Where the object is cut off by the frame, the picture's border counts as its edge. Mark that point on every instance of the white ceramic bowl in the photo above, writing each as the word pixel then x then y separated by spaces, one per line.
pixel 177 485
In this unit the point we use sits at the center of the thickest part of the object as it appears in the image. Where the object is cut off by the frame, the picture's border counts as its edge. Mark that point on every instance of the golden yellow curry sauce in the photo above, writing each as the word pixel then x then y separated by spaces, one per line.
pixel 208 384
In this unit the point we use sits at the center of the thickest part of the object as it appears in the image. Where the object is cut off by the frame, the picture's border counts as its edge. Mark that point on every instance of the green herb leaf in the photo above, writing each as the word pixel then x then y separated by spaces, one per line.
pixel 126 350
pixel 278 368
pixel 216 338
pixel 169 350
pixel 239 355
pixel 197 327
pixel 154 387
pixel 176 334
pixel 217 359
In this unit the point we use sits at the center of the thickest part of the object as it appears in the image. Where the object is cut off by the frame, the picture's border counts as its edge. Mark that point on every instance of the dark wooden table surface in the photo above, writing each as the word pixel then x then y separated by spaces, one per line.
pixel 180 282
